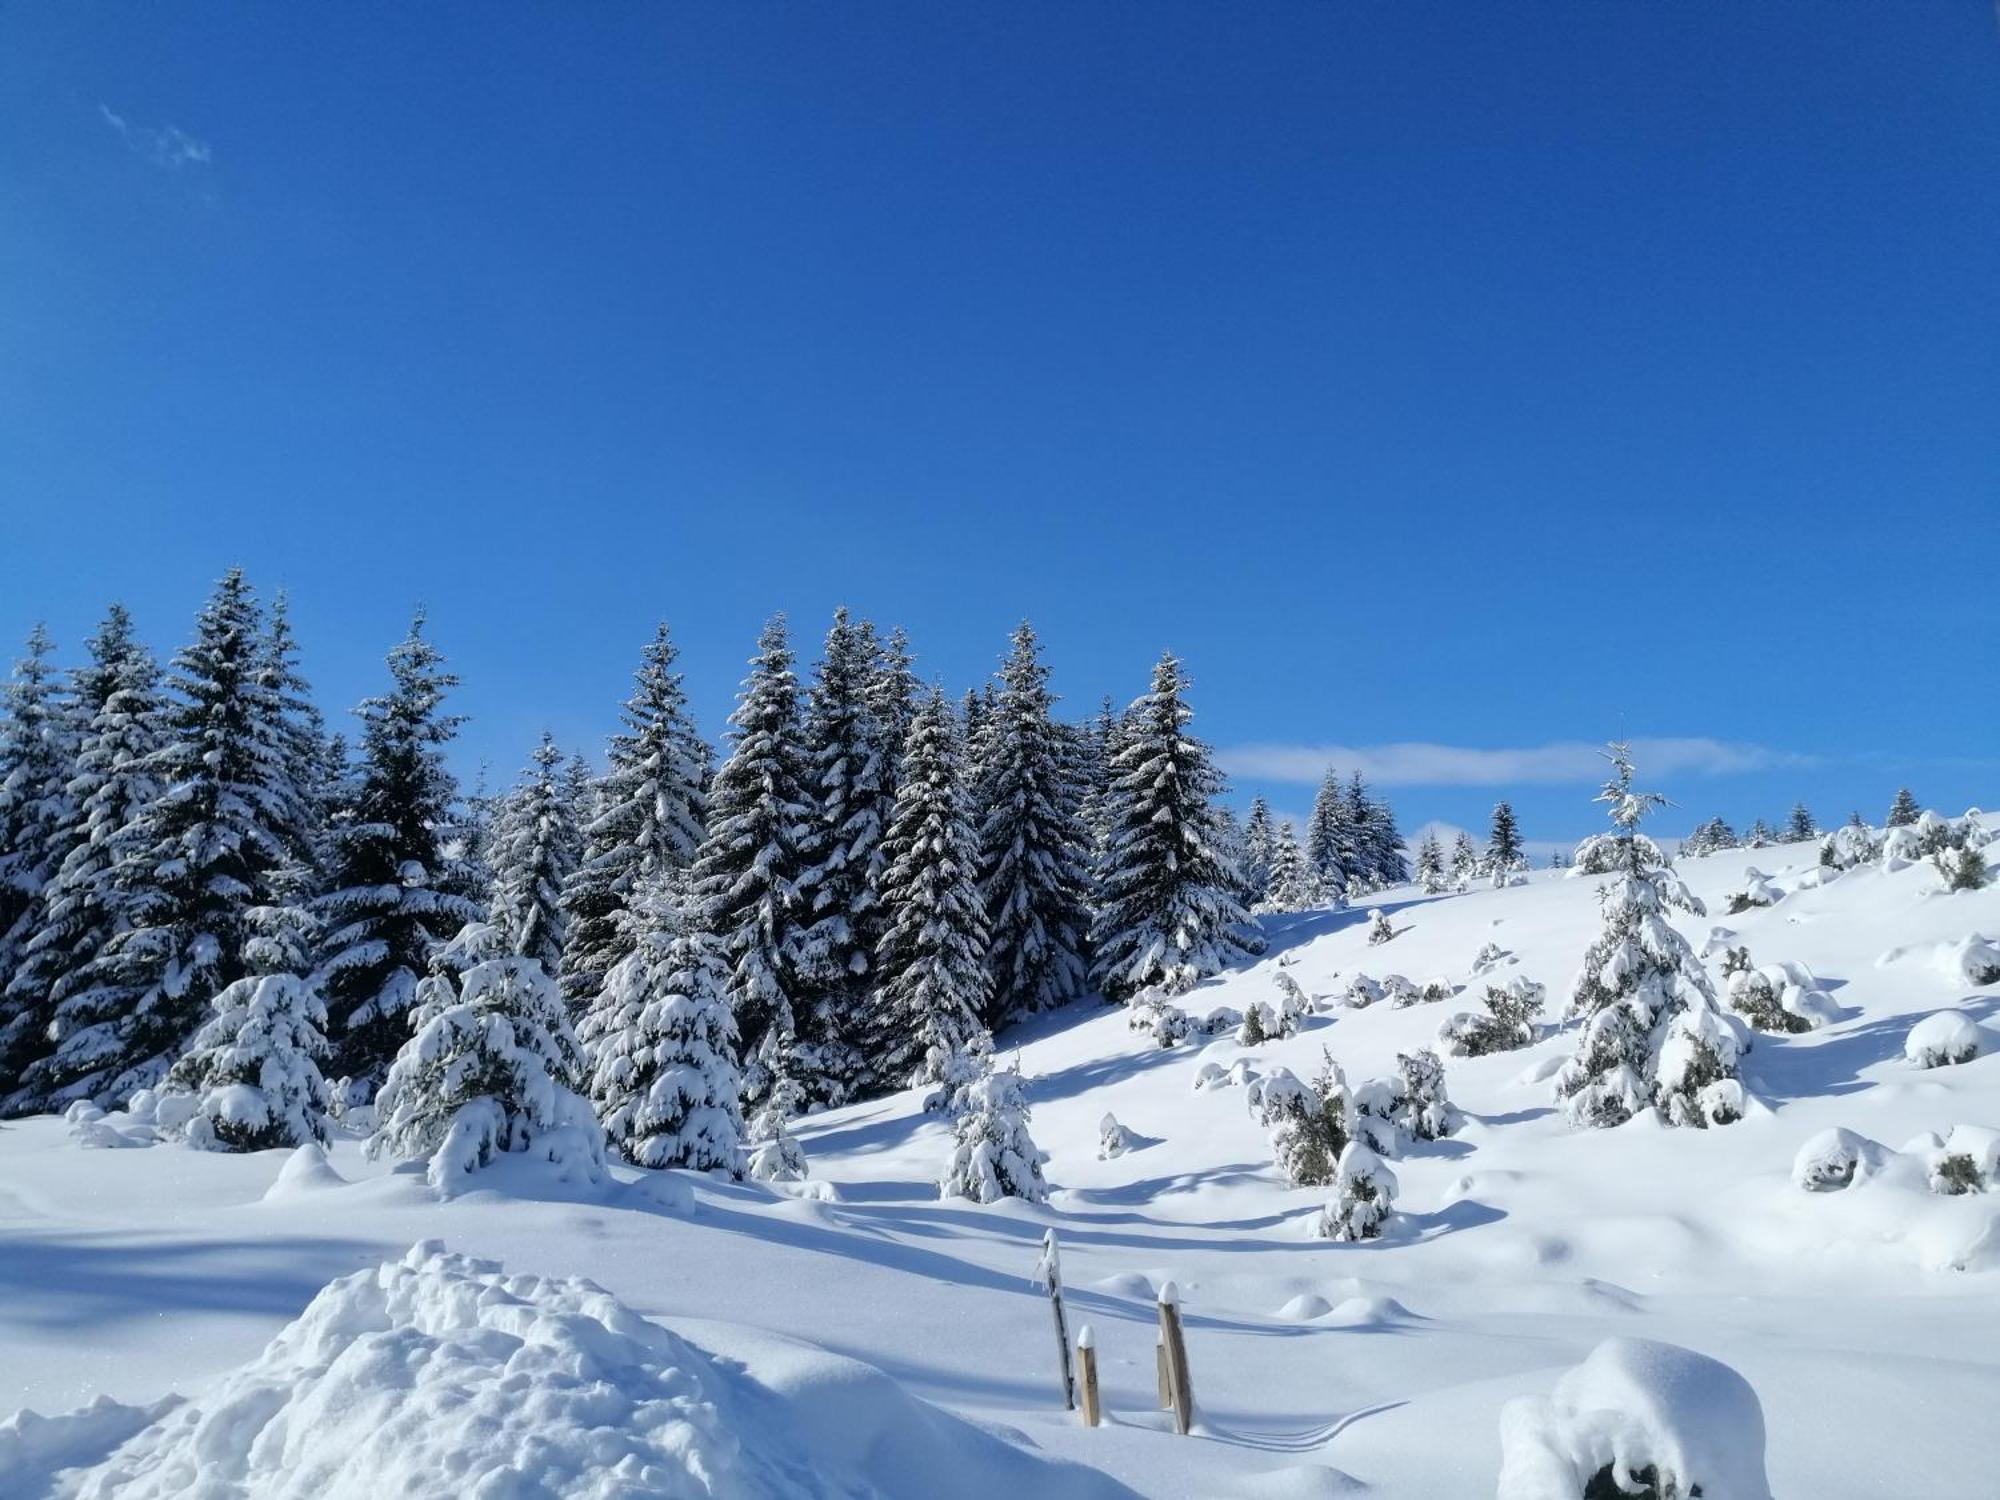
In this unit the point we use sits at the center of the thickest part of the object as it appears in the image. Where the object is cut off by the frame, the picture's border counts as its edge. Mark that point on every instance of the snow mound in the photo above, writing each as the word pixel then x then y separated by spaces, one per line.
pixel 440 1373
pixel 35 1450
pixel 305 1171
pixel 1305 1307
pixel 1636 1405
pixel 1941 1040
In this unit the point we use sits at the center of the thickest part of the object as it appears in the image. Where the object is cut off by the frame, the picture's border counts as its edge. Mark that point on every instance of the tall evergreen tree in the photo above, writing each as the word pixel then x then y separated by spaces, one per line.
pixel 1331 836
pixel 1800 825
pixel 1383 845
pixel 394 891
pixel 1293 885
pixel 197 858
pixel 1503 844
pixel 893 690
pixel 1430 864
pixel 1033 866
pixel 1464 858
pixel 934 981
pixel 651 809
pixel 1171 906
pixel 1098 798
pixel 1260 848
pixel 842 849
pixel 1904 811
pixel 535 853
pixel 746 874
pixel 301 728
pixel 111 785
pixel 37 751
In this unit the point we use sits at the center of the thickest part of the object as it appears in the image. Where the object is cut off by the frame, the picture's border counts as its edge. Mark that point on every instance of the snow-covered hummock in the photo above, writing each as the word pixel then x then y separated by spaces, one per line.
pixel 442 1374
pixel 491 1069
pixel 1943 1039
pixel 1636 1405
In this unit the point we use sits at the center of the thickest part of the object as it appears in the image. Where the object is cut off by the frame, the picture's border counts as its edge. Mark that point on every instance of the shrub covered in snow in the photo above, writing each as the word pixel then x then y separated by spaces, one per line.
pixel 1836 1159
pixel 254 1068
pixel 1489 957
pixel 1755 891
pixel 1513 1020
pixel 994 1156
pixel 1400 992
pixel 1759 996
pixel 491 1068
pixel 1361 992
pixel 1976 960
pixel 1651 1033
pixel 774 1155
pixel 1150 1010
pixel 1379 930
pixel 1364 1197
pixel 1637 1418
pixel 1941 1040
pixel 1847 847
pixel 1113 1139
pixel 1294 1005
pixel 1311 1124
pixel 1962 869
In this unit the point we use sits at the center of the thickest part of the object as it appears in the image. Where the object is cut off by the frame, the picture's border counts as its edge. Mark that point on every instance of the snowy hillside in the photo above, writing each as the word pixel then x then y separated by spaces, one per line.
pixel 1865 1320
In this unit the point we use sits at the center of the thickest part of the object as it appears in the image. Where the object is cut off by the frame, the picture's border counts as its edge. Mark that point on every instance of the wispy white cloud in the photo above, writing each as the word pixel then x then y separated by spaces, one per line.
pixel 165 146
pixel 1560 762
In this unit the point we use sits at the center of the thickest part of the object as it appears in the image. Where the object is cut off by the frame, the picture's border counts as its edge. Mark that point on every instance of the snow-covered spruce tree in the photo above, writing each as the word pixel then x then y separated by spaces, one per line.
pixel 37 753
pixel 393 891
pixel 1364 1196
pixel 993 1156
pixel 1652 1033
pixel 1513 1020
pixel 301 729
pixel 255 1065
pixel 841 850
pixel 663 1078
pixel 1504 854
pixel 1464 859
pixel 494 1070
pixel 536 849
pixel 1313 1127
pixel 1800 825
pixel 119 692
pixel 1379 846
pixel 1962 868
pixel 1170 906
pixel 1331 849
pixel 1260 850
pixel 774 1155
pixel 1097 807
pixel 651 808
pixel 190 866
pixel 1904 811
pixel 893 690
pixel 1292 886
pixel 933 984
pixel 1430 864
pixel 1032 863
pixel 747 871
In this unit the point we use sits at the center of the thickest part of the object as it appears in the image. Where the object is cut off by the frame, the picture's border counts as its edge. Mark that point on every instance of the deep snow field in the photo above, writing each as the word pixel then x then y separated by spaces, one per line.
pixel 1867 1321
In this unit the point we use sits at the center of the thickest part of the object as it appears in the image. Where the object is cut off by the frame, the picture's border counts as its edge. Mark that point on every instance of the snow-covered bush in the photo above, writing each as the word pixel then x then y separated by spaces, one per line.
pixel 1150 1010
pixel 994 1156
pixel 1755 891
pixel 1513 1020
pixel 491 1068
pixel 1962 869
pixel 1652 1034
pixel 1400 992
pixel 1379 930
pixel 254 1068
pixel 1757 995
pixel 1976 960
pixel 775 1156
pixel 1637 1419
pixel 1219 1020
pixel 1361 992
pixel 1490 956
pixel 1294 1005
pixel 1258 1025
pixel 1901 847
pixel 1436 990
pixel 1836 1159
pixel 1848 847
pixel 1423 1109
pixel 663 1077
pixel 1311 1125
pixel 1364 1196
pixel 1735 961
pixel 1941 1040
pixel 1113 1139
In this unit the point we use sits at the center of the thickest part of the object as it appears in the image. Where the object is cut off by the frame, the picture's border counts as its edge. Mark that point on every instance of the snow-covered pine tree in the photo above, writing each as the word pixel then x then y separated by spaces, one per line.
pixel 1430 864
pixel 537 848
pixel 651 809
pixel 933 983
pixel 255 1065
pixel 1097 807
pixel 1170 906
pixel 1293 886
pixel 1504 853
pixel 301 728
pixel 1759 834
pixel 1464 858
pixel 1331 838
pixel 1382 848
pixel 774 1155
pixel 191 865
pixel 37 758
pixel 1800 826
pixel 663 1078
pixel 993 1156
pixel 893 691
pixel 1032 861
pixel 119 693
pixel 1260 849
pixel 1652 1031
pixel 493 1070
pixel 1904 811
pixel 393 891
pixel 1364 1196
pixel 747 871
pixel 842 851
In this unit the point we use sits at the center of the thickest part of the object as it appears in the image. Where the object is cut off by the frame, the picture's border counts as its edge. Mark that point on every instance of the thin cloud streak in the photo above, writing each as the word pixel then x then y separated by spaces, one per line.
pixel 169 146
pixel 1559 763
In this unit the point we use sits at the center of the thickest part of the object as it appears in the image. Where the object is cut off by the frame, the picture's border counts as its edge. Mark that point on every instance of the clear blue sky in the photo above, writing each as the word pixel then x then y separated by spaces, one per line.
pixel 1447 377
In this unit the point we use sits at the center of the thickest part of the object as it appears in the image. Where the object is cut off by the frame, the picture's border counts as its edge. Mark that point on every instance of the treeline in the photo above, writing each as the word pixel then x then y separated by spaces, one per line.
pixel 881 876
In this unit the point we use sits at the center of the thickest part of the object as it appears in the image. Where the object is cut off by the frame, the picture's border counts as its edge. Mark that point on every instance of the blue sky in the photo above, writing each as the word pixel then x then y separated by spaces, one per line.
pixel 1435 379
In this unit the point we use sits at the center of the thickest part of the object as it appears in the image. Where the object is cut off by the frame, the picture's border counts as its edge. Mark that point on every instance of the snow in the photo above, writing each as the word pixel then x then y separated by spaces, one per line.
pixel 1942 1040
pixel 894 1333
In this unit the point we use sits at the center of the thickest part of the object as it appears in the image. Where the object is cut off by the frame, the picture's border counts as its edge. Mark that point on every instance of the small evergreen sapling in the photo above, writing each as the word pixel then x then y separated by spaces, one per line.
pixel 993 1156
pixel 1904 811
pixel 774 1155
pixel 1513 1021
pixel 1379 930
pixel 1364 1196
pixel 1963 869
pixel 1311 1125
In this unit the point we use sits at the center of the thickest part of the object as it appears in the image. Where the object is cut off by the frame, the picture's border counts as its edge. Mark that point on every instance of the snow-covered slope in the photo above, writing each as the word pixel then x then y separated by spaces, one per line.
pixel 1866 1320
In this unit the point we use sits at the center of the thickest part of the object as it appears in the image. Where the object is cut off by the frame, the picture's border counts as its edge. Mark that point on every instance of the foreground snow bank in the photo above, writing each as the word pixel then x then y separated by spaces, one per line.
pixel 441 1374
pixel 1683 1422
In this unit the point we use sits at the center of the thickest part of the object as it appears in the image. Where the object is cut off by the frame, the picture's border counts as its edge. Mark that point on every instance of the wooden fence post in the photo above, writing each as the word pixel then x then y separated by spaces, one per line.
pixel 1048 1274
pixel 1179 1387
pixel 1166 1376
pixel 1086 1369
